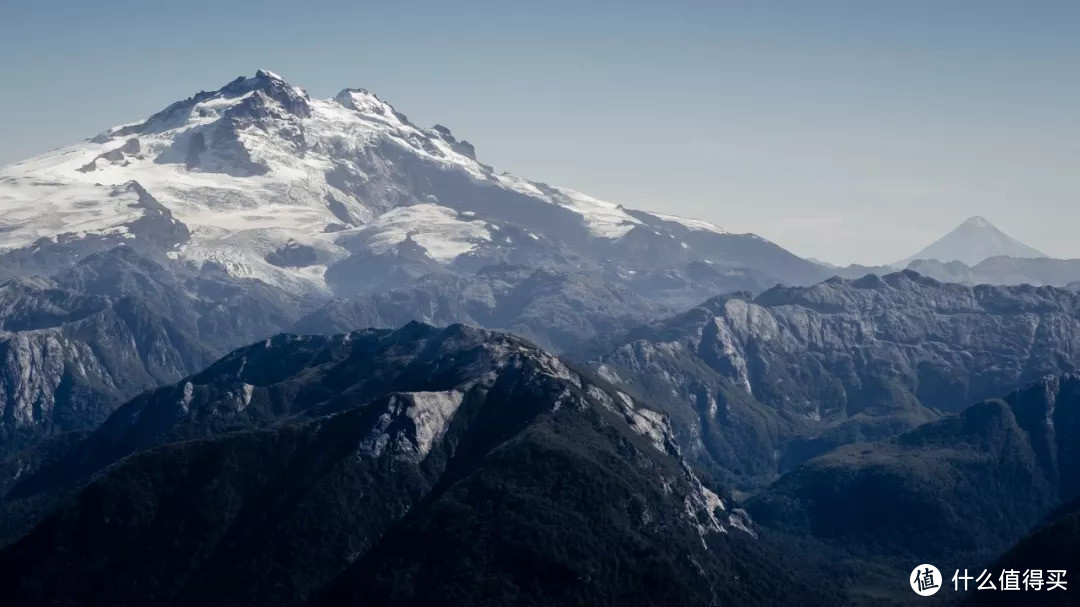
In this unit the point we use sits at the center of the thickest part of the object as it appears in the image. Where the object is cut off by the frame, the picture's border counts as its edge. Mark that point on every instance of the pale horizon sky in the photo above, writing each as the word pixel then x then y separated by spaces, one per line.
pixel 844 131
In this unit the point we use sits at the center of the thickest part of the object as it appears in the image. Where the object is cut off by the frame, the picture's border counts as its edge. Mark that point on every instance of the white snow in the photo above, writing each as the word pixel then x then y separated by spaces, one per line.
pixel 519 185
pixel 604 219
pixel 271 74
pixel 693 224
pixel 33 208
pixel 442 232
pixel 347 150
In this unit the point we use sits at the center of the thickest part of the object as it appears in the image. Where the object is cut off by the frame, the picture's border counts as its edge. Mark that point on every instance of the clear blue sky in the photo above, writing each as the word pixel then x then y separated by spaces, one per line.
pixel 848 131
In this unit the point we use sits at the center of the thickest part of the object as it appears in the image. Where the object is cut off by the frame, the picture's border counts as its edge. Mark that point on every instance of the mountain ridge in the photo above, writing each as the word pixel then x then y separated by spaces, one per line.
pixel 289 471
pixel 314 195
pixel 955 492
pixel 755 385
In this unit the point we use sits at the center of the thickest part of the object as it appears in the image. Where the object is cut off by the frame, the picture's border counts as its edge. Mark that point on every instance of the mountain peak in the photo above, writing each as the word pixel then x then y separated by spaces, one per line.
pixel 363 101
pixel 268 75
pixel 977 222
pixel 257 170
pixel 973 241
pixel 263 80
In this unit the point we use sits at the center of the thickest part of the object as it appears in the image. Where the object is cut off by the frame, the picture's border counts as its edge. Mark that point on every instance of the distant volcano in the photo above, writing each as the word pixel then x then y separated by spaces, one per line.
pixel 973 241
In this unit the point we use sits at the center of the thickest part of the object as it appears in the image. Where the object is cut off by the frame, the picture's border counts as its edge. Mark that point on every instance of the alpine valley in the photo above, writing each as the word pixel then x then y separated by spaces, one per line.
pixel 266 349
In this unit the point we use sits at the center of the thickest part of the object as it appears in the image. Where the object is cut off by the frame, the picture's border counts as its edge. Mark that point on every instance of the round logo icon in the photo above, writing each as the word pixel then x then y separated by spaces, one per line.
pixel 926 580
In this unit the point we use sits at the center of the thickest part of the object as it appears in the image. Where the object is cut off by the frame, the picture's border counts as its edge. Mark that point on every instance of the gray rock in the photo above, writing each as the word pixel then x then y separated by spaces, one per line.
pixel 755 386
pixel 74 346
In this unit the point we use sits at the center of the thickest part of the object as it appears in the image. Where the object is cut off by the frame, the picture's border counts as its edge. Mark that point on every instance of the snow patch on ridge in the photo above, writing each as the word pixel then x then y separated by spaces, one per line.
pixel 439 230
pixel 604 219
pixel 693 224
pixel 33 208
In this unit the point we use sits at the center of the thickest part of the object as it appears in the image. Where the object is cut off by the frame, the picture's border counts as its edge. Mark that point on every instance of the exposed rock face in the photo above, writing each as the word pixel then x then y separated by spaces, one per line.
pixel 757 385
pixel 293 255
pixel 468 459
pixel 74 346
pixel 69 375
pixel 125 320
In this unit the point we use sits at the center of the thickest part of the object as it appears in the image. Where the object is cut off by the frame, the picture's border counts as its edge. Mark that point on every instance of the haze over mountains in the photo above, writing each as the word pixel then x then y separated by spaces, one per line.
pixel 262 349
pixel 976 252
pixel 346 195
pixel 757 385
pixel 972 242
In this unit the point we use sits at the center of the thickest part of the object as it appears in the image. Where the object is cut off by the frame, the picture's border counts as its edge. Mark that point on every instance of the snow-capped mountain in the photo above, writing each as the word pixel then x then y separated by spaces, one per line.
pixel 971 242
pixel 324 195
